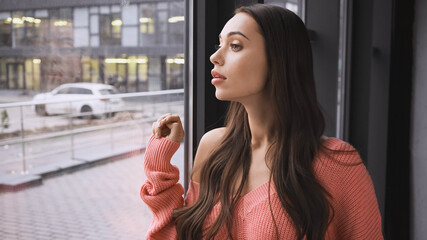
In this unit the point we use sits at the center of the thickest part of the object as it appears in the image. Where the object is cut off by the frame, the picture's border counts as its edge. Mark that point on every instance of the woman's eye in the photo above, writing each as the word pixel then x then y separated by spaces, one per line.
pixel 235 47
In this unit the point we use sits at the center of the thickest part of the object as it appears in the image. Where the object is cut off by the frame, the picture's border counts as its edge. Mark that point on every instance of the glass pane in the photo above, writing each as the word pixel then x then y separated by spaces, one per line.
pixel 81 37
pixel 94 10
pixel 115 9
pixel 29 74
pixel 18 22
pixel 147 21
pixel 295 6
pixel 83 74
pixel 94 24
pixel 130 36
pixel 94 41
pixel 15 75
pixel 174 66
pixel 5 29
pixel 81 17
pixel 61 27
pixel 110 29
pixel 130 15
pixel 104 9
pixel 176 23
pixel 41 13
pixel 154 74
pixel 94 70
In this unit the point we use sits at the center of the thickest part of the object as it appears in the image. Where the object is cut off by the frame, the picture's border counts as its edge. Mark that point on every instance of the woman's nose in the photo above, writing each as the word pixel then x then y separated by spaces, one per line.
pixel 216 58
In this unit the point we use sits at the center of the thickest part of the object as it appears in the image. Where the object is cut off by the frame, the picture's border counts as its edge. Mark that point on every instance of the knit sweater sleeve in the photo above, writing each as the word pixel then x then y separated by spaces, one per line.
pixel 357 211
pixel 161 191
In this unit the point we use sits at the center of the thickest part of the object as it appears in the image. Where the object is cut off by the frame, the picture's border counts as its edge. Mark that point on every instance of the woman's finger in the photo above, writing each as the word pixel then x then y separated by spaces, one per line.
pixel 173 123
pixel 163 116
pixel 170 119
pixel 169 126
pixel 155 128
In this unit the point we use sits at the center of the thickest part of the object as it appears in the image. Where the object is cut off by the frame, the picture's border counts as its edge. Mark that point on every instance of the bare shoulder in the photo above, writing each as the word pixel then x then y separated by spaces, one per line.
pixel 207 144
pixel 214 136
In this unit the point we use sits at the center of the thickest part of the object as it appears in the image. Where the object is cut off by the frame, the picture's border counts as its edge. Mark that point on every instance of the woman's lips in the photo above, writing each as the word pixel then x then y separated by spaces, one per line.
pixel 217 77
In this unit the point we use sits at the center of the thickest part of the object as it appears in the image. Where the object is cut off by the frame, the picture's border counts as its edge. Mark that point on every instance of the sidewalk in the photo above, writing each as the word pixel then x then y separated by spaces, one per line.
pixel 60 164
pixel 95 203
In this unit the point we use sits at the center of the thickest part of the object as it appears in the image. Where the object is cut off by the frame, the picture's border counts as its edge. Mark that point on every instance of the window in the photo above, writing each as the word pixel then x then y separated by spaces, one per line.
pixel 108 91
pixel 147 22
pixel 130 25
pixel 295 6
pixel 64 91
pixel 75 90
pixel 41 18
pixel 176 23
pixel 23 33
pixel 61 27
pixel 81 25
pixel 110 28
pixel 5 29
pixel 97 74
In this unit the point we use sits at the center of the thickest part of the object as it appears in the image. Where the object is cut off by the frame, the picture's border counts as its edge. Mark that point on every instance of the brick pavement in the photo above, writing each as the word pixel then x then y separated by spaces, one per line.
pixel 97 203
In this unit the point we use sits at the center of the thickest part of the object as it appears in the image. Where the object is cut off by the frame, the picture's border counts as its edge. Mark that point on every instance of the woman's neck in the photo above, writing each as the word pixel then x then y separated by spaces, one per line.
pixel 261 121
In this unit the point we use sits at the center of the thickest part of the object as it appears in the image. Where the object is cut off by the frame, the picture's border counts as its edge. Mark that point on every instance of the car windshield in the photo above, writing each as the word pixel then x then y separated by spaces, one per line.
pixel 107 91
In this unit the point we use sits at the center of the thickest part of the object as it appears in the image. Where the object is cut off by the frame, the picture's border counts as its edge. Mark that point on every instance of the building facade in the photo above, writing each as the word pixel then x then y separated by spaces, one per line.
pixel 134 45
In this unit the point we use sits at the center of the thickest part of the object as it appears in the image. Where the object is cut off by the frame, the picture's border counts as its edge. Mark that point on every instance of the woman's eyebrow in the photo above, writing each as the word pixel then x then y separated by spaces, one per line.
pixel 234 33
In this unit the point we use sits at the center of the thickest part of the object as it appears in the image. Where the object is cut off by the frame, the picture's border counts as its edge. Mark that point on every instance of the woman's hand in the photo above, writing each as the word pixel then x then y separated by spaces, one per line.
pixel 170 127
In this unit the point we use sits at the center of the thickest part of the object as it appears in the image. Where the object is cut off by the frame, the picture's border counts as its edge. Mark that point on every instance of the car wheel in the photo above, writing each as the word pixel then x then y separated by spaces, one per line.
pixel 85 111
pixel 41 110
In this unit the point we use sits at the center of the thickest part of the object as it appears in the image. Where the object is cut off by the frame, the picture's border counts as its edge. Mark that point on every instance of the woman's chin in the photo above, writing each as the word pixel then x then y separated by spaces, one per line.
pixel 219 96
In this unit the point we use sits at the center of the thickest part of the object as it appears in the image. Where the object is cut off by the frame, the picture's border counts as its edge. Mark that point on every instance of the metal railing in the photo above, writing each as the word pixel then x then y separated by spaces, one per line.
pixel 135 103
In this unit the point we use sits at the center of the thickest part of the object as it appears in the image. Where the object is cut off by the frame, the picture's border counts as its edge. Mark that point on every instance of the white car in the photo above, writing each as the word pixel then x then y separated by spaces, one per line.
pixel 73 98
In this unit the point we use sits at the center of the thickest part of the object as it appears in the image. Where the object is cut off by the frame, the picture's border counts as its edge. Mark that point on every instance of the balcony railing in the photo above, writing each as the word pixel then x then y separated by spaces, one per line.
pixel 29 142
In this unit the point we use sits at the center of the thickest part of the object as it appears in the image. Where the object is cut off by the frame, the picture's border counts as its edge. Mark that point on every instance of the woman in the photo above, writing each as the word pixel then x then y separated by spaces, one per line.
pixel 269 173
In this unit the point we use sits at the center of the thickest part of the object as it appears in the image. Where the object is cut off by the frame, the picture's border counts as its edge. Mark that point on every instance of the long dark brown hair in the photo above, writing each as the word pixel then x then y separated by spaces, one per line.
pixel 298 130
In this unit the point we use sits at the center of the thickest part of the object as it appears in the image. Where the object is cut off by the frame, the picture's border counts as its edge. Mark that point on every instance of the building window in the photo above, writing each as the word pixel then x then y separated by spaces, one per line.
pixel 110 25
pixel 130 25
pixel 174 70
pixel 162 23
pixel 147 21
pixel 81 25
pixel 5 30
pixel 176 23
pixel 61 27
pixel 23 26
pixel 42 26
pixel 3 77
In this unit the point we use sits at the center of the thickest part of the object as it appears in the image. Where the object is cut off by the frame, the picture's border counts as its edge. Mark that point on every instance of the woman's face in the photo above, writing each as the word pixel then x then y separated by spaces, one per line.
pixel 240 63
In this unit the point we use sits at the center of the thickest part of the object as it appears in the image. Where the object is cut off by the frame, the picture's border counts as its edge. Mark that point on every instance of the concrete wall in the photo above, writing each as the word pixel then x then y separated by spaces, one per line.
pixel 419 124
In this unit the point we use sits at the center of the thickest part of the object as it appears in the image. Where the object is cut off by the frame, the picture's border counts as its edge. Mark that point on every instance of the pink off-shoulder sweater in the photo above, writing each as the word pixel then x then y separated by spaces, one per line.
pixel 355 205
